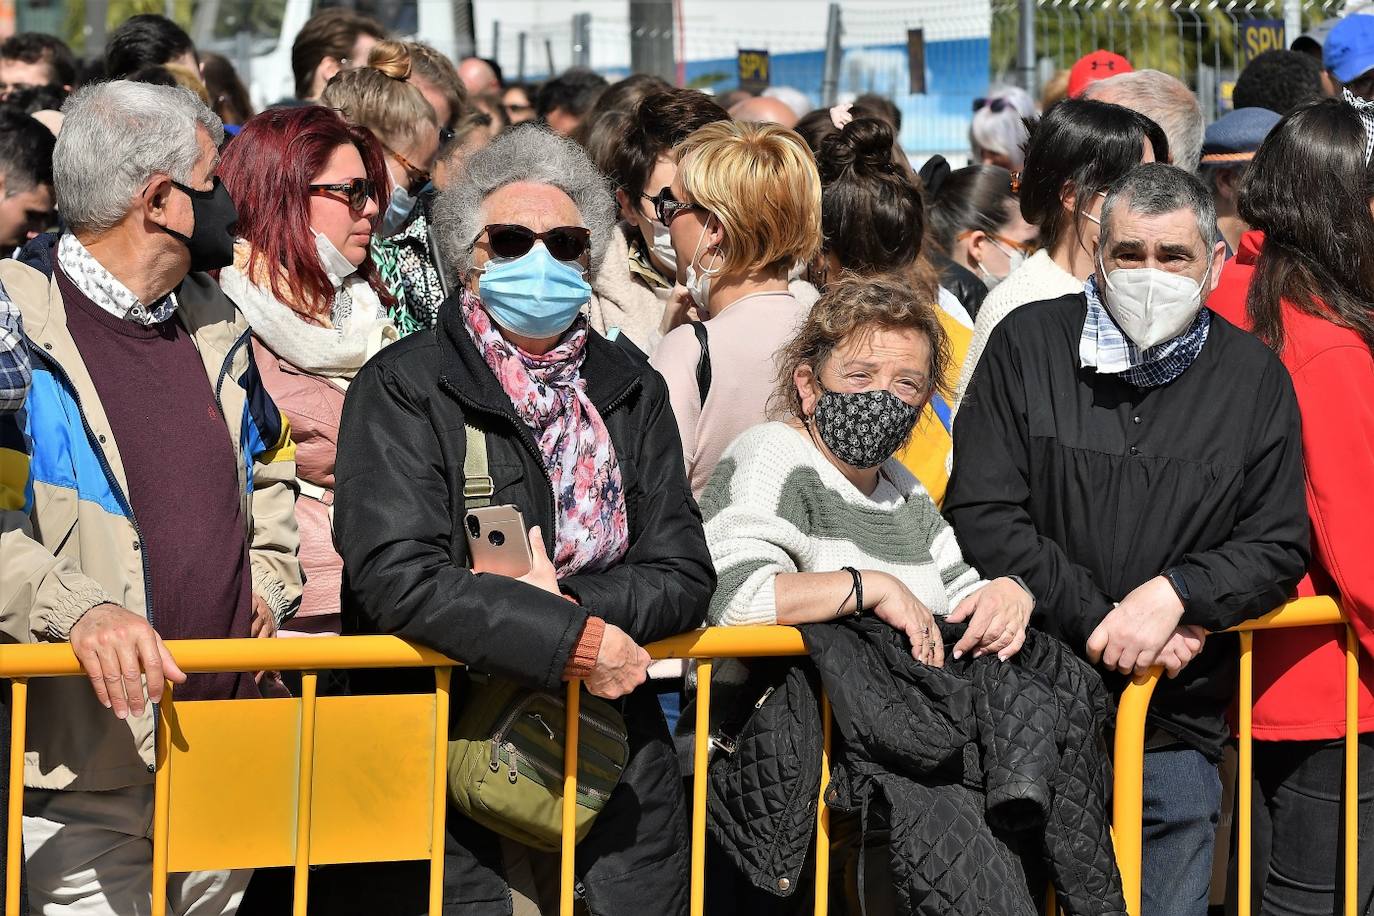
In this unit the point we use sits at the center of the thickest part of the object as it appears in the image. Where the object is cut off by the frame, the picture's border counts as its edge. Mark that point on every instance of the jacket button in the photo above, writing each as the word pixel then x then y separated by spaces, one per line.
pixel 137 545
pixel 784 883
pixel 1134 450
pixel 47 346
pixel 102 440
pixel 1135 420
pixel 151 768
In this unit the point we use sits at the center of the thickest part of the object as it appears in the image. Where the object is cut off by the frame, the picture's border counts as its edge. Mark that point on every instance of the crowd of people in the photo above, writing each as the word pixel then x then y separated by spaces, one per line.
pixel 535 376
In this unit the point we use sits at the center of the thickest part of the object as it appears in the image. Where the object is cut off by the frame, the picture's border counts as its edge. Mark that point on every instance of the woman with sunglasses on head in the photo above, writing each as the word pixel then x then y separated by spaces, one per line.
pixel 743 208
pixel 1001 126
pixel 382 98
pixel 576 433
pixel 306 184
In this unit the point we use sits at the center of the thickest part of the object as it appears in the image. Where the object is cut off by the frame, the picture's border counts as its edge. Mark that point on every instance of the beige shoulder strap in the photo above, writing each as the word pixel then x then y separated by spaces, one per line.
pixel 477 483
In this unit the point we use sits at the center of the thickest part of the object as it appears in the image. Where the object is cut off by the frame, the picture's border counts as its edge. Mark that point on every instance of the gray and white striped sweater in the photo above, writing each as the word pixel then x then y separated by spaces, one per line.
pixel 776 505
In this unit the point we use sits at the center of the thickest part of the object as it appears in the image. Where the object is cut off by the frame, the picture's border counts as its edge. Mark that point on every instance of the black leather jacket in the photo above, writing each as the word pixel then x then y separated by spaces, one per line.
pixel 398 526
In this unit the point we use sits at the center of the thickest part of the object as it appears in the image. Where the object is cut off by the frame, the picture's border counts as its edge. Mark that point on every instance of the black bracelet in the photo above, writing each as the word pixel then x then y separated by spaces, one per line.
pixel 857 591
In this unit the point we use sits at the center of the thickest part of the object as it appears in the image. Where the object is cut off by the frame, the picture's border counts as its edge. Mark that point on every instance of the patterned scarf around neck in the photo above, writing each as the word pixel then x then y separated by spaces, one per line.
pixel 1105 347
pixel 549 396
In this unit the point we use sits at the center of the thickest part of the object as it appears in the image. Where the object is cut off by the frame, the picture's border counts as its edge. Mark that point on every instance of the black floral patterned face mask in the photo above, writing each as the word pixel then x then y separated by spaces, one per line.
pixel 863 428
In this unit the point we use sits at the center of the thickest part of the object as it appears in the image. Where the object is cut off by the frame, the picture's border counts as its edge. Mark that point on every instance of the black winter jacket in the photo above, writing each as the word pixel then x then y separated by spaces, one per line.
pixel 398 526
pixel 991 776
pixel 966 285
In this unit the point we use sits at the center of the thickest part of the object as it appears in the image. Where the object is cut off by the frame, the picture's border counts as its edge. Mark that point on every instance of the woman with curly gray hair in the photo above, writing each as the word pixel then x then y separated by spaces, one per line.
pixel 513 402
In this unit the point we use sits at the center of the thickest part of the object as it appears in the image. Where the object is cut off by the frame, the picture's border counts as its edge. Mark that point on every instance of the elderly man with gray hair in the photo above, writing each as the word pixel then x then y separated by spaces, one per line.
pixel 158 489
pixel 1137 461
pixel 510 491
pixel 1163 99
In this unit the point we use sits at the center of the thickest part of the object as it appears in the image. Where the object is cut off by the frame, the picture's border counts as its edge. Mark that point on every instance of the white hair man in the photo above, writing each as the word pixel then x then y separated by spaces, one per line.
pixel 159 486
pixel 1166 101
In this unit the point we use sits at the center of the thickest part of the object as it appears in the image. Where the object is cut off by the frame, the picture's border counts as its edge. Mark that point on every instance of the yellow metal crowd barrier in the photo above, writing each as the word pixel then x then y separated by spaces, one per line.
pixel 1129 754
pixel 302 809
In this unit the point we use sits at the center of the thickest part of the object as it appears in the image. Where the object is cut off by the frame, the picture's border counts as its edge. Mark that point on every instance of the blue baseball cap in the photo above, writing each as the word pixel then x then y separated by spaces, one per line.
pixel 1349 49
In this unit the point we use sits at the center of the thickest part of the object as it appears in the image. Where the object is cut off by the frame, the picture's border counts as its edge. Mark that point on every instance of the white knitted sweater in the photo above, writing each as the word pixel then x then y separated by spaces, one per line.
pixel 776 505
pixel 1037 280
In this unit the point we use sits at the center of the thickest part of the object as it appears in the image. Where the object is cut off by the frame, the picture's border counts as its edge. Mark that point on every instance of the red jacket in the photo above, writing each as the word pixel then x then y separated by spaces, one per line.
pixel 1300 674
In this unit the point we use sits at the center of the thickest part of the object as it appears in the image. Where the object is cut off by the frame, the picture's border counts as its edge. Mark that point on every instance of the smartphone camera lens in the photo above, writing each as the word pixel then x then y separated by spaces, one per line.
pixel 496 538
pixel 474 526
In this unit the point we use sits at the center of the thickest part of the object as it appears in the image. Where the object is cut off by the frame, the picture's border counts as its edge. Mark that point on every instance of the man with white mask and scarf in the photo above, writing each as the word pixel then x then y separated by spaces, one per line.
pixel 1137 461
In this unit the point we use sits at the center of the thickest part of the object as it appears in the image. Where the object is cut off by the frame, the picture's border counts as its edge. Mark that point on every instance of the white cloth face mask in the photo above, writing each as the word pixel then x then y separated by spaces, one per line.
pixel 1151 305
pixel 662 248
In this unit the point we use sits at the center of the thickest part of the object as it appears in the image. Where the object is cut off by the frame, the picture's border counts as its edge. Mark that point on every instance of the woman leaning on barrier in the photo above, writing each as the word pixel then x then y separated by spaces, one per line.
pixel 1303 281
pixel 578 437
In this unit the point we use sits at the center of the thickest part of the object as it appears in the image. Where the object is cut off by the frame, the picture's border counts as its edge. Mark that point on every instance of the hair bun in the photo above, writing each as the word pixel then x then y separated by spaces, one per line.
pixel 390 58
pixel 863 146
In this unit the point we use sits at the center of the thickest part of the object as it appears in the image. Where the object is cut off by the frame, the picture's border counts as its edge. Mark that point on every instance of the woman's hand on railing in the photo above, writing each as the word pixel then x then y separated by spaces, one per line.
pixel 997 616
pixel 116 647
pixel 621 665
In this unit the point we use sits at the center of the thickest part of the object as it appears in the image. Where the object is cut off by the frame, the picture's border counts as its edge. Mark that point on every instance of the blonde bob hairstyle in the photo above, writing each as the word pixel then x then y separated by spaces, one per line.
pixel 853 306
pixel 760 181
pixel 381 97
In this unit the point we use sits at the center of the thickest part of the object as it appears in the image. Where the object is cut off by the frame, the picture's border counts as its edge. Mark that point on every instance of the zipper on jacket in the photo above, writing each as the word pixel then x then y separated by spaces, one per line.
pixel 224 369
pixel 124 503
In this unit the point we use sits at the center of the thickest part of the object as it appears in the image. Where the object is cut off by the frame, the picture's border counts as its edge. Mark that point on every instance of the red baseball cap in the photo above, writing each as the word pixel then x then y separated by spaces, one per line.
pixel 1099 65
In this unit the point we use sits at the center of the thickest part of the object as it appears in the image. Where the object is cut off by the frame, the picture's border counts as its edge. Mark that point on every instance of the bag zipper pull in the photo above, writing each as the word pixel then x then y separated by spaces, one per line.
pixel 510 751
pixel 544 725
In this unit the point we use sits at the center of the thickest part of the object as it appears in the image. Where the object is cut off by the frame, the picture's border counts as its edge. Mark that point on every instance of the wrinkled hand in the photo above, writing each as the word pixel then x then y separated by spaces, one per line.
pixel 997 614
pixel 541 574
pixel 680 309
pixel 621 665
pixel 1184 646
pixel 116 646
pixel 894 604
pixel 1133 633
pixel 264 624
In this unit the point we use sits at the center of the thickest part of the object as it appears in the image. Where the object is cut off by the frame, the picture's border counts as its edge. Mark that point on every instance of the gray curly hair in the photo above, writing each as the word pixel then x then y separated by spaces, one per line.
pixel 522 154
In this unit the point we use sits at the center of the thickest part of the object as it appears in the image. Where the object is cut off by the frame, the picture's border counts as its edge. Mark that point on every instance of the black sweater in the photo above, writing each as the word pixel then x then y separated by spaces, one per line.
pixel 1087 487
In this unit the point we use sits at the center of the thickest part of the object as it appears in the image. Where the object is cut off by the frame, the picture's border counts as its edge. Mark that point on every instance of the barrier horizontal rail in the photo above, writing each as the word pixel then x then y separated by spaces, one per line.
pixel 1129 752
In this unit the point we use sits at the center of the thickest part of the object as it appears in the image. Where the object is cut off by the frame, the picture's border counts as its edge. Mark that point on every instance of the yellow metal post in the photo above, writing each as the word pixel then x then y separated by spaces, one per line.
pixel 443 680
pixel 305 786
pixel 570 751
pixel 1245 774
pixel 19 710
pixel 823 816
pixel 1352 769
pixel 699 787
pixel 162 809
pixel 1127 800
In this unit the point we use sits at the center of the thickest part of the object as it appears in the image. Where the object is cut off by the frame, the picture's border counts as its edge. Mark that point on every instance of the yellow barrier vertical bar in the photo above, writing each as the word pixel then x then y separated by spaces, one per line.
pixel 570 751
pixel 1129 759
pixel 1352 769
pixel 162 809
pixel 19 710
pixel 305 788
pixel 823 816
pixel 703 734
pixel 1051 903
pixel 1245 774
pixel 443 680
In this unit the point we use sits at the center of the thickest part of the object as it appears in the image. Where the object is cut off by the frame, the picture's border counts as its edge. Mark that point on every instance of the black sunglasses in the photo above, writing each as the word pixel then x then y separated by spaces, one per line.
pixel 668 208
pixel 997 106
pixel 566 243
pixel 358 191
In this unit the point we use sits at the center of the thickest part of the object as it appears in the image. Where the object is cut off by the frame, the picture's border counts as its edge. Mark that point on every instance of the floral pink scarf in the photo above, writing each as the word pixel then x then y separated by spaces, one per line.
pixel 550 396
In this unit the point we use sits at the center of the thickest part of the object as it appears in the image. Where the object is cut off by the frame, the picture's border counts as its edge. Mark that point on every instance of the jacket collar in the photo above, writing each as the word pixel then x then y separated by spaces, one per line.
pixel 610 372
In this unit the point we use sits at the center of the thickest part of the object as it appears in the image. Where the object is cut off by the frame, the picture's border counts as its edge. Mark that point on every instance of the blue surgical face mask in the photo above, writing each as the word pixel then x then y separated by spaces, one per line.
pixel 534 295
pixel 398 210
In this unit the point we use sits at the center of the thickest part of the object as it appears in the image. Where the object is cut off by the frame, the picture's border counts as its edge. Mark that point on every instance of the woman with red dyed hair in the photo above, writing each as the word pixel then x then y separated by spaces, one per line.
pixel 308 187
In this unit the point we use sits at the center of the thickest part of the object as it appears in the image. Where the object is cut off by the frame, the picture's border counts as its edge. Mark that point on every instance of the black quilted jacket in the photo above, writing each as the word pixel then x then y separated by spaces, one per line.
pixel 991 776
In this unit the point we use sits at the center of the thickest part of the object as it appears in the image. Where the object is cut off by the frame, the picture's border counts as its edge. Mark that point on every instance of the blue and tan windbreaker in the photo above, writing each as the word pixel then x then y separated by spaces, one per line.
pixel 68 539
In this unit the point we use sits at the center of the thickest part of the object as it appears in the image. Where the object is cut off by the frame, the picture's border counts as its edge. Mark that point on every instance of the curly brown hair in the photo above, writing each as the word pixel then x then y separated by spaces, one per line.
pixel 854 305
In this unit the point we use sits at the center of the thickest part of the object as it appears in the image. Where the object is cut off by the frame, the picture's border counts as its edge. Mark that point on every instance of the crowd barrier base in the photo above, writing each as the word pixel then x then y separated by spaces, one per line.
pixel 356 779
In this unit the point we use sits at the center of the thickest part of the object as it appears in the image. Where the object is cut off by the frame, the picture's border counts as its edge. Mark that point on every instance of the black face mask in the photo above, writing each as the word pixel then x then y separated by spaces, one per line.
pixel 863 428
pixel 211 242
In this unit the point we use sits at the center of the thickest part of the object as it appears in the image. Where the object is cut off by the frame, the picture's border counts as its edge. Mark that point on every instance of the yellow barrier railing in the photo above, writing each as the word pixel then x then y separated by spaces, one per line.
pixel 1129 754
pixel 303 821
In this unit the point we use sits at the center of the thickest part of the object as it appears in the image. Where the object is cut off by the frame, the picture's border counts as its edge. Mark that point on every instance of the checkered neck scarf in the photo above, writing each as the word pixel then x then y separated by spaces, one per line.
pixel 1365 109
pixel 1106 348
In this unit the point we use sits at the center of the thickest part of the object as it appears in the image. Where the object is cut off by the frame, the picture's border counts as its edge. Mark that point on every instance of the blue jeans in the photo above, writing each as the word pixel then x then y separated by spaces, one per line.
pixel 1182 803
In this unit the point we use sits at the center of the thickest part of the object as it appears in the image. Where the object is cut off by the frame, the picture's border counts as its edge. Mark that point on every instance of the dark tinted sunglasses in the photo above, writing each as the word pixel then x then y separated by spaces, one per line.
pixel 996 106
pixel 358 192
pixel 668 208
pixel 566 243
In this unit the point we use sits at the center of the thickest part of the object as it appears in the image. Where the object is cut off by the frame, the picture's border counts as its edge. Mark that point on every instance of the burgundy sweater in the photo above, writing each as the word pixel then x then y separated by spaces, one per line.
pixel 183 482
